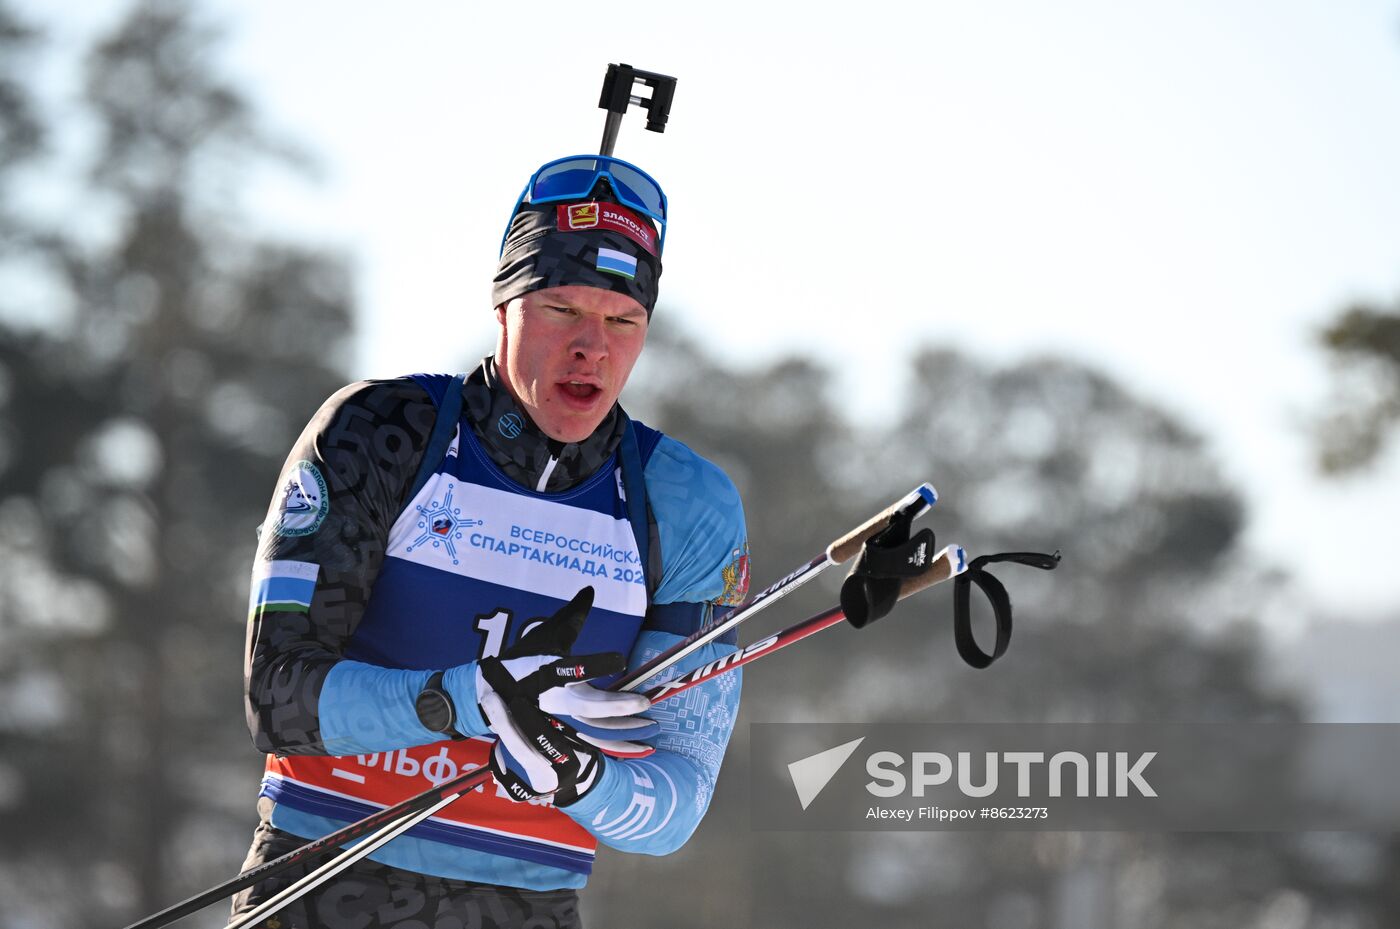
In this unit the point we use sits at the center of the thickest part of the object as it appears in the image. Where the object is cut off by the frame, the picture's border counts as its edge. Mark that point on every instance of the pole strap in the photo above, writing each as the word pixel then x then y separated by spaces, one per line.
pixel 1000 600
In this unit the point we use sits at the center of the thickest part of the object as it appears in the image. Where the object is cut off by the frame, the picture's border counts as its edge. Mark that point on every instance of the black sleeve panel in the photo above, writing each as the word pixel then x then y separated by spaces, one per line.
pixel 367 441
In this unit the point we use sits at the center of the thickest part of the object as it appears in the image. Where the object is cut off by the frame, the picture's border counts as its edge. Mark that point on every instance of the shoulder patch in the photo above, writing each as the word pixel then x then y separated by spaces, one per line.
pixel 304 501
pixel 736 577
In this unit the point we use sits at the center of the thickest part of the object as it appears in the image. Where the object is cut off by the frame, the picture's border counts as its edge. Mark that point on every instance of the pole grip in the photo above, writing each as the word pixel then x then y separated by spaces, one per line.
pixel 850 544
pixel 947 564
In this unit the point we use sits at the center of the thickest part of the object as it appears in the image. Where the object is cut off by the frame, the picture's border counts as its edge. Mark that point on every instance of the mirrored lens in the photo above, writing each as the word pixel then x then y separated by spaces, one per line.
pixel 575 177
pixel 572 178
pixel 640 189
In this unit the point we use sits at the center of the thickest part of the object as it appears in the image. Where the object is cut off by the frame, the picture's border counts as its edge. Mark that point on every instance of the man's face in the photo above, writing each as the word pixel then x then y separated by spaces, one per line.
pixel 566 352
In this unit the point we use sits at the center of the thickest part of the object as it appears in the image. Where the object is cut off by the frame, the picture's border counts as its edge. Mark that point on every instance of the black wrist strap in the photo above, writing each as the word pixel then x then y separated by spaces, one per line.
pixel 871 589
pixel 997 596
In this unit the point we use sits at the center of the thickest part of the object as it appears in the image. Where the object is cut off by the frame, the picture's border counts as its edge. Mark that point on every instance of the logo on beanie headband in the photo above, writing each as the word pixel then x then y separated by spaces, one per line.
pixel 578 217
pixel 582 215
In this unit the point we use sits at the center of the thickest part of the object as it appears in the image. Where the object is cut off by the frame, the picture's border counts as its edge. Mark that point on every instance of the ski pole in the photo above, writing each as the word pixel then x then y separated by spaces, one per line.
pixel 948 563
pixel 912 505
pixel 337 864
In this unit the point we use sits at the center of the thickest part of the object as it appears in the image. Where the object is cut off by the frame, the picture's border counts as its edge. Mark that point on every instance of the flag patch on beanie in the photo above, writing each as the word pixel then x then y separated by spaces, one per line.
pixel 614 262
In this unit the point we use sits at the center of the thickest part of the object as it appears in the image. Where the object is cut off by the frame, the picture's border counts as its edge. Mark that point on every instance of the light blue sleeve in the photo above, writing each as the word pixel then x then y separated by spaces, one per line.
pixel 365 708
pixel 700 520
pixel 652 805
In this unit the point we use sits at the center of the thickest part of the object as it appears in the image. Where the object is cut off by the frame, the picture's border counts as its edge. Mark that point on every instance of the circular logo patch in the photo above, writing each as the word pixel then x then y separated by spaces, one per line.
pixel 304 502
pixel 510 425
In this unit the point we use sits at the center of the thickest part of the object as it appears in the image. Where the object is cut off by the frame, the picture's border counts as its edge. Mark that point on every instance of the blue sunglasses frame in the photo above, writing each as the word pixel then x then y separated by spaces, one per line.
pixel 621 190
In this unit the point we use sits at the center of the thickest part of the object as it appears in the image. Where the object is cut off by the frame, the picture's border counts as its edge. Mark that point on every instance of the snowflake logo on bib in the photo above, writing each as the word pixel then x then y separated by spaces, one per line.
pixel 442 525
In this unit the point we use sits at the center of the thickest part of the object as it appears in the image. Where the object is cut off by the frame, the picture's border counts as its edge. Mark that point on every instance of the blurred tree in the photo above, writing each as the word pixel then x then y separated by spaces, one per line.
pixel 145 439
pixel 21 131
pixel 1363 343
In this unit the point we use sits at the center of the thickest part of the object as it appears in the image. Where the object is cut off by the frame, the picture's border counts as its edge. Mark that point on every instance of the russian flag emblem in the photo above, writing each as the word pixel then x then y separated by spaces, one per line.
pixel 612 261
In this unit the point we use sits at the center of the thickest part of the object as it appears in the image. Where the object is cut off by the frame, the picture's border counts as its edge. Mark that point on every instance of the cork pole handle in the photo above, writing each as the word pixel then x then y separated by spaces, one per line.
pixel 948 563
pixel 849 545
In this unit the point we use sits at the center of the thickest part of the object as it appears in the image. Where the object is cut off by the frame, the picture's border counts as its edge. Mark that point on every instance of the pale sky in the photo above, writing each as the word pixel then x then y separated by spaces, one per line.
pixel 1176 193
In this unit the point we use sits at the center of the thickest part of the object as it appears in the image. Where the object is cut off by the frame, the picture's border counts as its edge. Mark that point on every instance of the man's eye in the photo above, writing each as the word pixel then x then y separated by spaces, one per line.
pixel 624 320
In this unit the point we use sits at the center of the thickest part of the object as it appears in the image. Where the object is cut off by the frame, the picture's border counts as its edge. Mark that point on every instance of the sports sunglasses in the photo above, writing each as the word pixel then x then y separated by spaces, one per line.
pixel 573 178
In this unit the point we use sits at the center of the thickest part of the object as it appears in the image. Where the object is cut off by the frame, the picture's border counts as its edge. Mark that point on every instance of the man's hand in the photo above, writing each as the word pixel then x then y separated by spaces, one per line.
pixel 553 726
